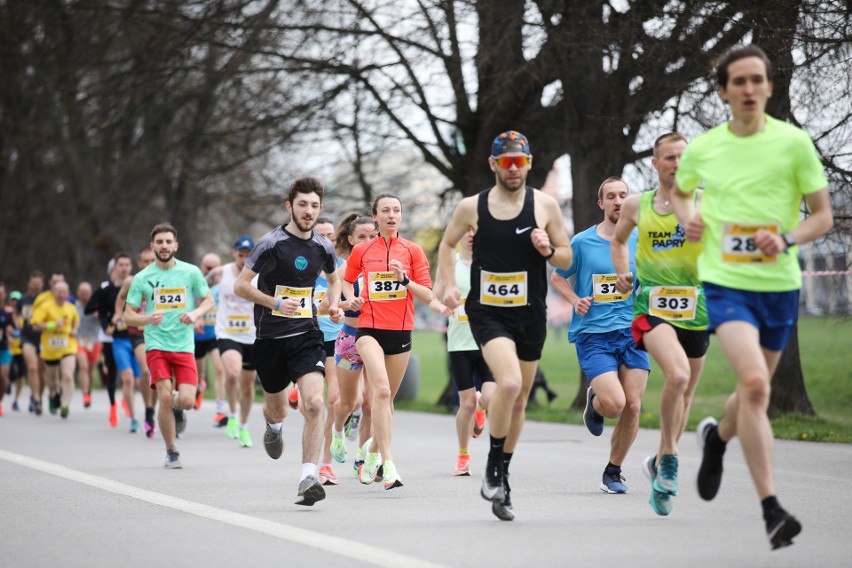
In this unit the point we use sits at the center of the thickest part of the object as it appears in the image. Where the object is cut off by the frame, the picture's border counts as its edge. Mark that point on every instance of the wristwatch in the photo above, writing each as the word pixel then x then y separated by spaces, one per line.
pixel 552 252
pixel 789 240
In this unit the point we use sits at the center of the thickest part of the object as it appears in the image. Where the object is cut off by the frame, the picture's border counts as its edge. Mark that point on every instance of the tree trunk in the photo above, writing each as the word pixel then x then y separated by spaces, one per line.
pixel 788 383
pixel 580 400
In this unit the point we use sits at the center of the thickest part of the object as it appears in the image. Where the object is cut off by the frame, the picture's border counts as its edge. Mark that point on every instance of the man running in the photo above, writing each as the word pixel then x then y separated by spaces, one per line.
pixel 670 312
pixel 206 344
pixel 57 320
pixel 289 346
pixel 616 369
pixel 88 346
pixel 756 170
pixel 169 288
pixel 517 230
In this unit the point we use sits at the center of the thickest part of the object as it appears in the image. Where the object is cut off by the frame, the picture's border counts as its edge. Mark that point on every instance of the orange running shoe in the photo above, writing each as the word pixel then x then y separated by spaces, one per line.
pixel 199 394
pixel 462 465
pixel 220 420
pixel 326 476
pixel 478 419
pixel 87 400
pixel 113 415
pixel 293 397
pixel 1 411
pixel 124 407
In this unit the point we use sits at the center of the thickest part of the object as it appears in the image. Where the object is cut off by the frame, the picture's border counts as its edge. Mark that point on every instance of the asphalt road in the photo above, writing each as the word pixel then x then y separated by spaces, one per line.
pixel 76 492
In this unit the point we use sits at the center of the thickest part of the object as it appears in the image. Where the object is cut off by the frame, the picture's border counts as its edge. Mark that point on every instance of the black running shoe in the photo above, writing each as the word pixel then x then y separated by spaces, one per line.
pixel 180 420
pixel 781 529
pixel 503 509
pixel 710 471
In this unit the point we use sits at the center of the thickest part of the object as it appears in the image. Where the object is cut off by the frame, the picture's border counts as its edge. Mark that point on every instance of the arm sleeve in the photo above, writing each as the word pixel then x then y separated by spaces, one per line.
pixel 687 177
pixel 134 294
pixel 571 270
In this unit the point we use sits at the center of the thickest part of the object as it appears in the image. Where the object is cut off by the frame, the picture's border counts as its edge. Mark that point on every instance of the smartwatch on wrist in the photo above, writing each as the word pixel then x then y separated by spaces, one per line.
pixel 552 252
pixel 405 280
pixel 789 240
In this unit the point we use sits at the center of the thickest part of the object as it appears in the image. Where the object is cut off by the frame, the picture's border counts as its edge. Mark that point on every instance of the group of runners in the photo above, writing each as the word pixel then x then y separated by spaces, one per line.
pixel 331 310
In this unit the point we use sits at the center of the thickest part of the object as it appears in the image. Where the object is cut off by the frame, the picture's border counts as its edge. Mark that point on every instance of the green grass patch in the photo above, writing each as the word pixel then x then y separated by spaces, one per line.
pixel 826 363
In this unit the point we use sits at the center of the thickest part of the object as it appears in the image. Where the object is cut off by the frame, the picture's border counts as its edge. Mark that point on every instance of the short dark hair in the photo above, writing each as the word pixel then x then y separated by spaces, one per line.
pixel 126 255
pixel 668 136
pixel 305 185
pixel 383 196
pixel 735 54
pixel 321 220
pixel 37 274
pixel 163 228
pixel 610 179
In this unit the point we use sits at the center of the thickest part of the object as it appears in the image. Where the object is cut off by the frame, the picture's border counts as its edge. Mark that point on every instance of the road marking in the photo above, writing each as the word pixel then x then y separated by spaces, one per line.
pixel 363 553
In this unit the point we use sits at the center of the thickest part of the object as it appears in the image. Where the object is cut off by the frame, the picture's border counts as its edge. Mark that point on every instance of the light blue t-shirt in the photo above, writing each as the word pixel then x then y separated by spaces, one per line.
pixel 594 275
pixel 329 329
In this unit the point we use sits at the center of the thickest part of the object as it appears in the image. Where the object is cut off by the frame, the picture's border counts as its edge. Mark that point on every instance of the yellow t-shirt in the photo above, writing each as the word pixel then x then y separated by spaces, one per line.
pixel 58 342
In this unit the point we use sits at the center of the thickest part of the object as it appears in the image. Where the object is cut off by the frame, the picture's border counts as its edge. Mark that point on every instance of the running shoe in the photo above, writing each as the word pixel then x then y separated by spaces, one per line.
pixel 37 407
pixel 478 418
pixel 220 420
pixel 326 476
pixel 660 502
pixel 354 423
pixel 113 415
pixel 594 421
pixel 134 425
pixel 125 408
pixel 503 509
pixel 369 469
pixel 87 400
pixel 390 476
pixel 310 491
pixel 15 406
pixel 199 394
pixel 666 480
pixel 492 484
pixel 233 428
pixel 359 461
pixel 245 438
pixel 1 411
pixel 710 471
pixel 338 448
pixel 53 403
pixel 273 443
pixel 172 460
pixel 293 397
pixel 462 465
pixel 613 481
pixel 781 529
pixel 149 427
pixel 180 420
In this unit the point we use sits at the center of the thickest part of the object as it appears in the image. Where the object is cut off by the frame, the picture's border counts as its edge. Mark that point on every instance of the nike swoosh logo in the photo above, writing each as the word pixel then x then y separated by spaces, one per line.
pixel 520 231
pixel 404 345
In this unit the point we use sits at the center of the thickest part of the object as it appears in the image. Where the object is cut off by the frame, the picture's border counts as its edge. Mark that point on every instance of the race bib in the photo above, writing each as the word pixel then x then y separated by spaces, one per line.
pixel 738 244
pixel 120 325
pixel 170 298
pixel 210 317
pixel 604 288
pixel 503 289
pixel 319 296
pixel 238 324
pixel 27 312
pixel 57 340
pixel 461 314
pixel 88 342
pixel 673 302
pixel 304 295
pixel 384 286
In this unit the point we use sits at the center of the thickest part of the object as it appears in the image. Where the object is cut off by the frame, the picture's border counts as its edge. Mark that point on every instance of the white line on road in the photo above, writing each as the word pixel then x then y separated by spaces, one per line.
pixel 363 553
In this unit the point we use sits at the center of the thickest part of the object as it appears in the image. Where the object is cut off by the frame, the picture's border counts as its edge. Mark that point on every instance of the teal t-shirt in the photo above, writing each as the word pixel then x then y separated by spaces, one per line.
pixel 750 182
pixel 172 291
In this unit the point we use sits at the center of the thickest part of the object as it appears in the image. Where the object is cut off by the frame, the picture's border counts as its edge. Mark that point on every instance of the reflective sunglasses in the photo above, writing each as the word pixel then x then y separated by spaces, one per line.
pixel 507 162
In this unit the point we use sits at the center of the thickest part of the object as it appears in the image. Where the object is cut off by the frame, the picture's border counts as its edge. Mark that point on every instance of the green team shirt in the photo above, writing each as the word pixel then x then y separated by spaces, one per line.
pixel 172 291
pixel 750 182
pixel 666 268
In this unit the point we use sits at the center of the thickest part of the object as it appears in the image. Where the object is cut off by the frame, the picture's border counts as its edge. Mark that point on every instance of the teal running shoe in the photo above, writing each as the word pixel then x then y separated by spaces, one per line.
pixel 660 502
pixel 666 480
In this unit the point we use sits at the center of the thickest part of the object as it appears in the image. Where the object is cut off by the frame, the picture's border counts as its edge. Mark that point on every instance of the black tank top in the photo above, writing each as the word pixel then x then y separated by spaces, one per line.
pixel 505 249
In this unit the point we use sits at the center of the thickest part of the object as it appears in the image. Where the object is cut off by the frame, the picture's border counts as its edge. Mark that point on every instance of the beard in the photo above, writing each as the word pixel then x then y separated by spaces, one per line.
pixel 304 228
pixel 166 258
pixel 513 185
pixel 613 217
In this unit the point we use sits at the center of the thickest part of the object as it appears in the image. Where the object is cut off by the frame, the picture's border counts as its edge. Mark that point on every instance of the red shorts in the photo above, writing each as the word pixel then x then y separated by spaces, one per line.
pixel 167 364
pixel 91 354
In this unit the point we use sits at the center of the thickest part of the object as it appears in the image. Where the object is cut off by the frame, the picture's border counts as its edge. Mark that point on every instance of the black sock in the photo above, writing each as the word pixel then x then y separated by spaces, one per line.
pixel 507 457
pixel 495 454
pixel 612 467
pixel 149 413
pixel 714 442
pixel 770 507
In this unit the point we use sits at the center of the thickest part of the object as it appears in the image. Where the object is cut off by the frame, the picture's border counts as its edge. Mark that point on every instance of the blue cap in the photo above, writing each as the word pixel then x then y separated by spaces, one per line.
pixel 244 242
pixel 515 141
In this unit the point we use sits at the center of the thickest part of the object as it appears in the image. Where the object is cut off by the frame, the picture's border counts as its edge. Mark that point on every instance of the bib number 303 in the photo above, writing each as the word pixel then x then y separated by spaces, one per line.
pixel 673 302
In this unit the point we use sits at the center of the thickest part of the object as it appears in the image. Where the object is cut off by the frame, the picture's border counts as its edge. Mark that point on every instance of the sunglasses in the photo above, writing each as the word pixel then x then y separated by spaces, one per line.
pixel 507 162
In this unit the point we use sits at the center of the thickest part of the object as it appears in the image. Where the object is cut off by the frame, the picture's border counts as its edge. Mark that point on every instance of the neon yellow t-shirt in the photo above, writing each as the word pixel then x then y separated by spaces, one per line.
pixel 58 342
pixel 750 182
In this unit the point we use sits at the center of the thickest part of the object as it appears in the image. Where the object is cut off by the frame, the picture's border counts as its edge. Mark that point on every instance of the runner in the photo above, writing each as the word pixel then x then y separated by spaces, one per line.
pixel 7 327
pixel 755 170
pixel 467 364
pixel 616 369
pixel 206 344
pixel 289 346
pixel 394 271
pixel 18 369
pixel 31 341
pixel 670 313
pixel 235 335
pixel 57 320
pixel 88 346
pixel 169 288
pixel 517 230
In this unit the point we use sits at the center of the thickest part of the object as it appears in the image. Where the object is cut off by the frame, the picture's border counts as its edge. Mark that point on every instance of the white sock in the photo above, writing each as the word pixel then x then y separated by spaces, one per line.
pixel 234 415
pixel 357 412
pixel 221 407
pixel 308 469
pixel 243 425
pixel 275 427
pixel 336 433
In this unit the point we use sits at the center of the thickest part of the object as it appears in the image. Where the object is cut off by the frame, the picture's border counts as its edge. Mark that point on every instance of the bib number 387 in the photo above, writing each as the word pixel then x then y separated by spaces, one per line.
pixel 503 289
pixel 384 286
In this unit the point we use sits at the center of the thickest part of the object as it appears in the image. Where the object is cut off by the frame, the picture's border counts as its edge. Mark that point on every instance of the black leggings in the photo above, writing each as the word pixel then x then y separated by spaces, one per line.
pixel 112 371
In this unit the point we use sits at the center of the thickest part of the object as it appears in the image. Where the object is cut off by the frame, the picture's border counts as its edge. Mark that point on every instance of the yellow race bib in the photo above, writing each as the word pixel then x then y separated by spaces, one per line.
pixel 503 289
pixel 604 288
pixel 304 295
pixel 238 324
pixel 384 286
pixel 673 302
pixel 170 298
pixel 461 314
pixel 738 244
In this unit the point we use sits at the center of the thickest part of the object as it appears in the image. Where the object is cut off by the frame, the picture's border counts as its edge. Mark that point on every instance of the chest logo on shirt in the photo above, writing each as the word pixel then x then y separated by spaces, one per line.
pixel 519 231
pixel 301 263
pixel 665 240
